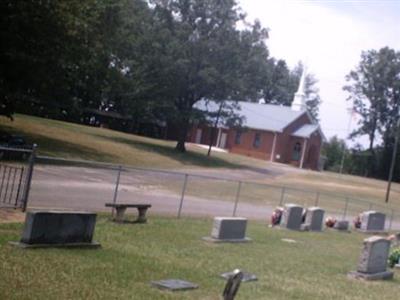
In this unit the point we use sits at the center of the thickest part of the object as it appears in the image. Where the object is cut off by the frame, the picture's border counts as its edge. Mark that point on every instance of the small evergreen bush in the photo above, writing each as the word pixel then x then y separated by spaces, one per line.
pixel 394 257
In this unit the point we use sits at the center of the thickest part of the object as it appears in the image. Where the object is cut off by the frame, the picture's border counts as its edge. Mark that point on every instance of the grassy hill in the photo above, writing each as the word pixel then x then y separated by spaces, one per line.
pixel 68 140
pixel 56 138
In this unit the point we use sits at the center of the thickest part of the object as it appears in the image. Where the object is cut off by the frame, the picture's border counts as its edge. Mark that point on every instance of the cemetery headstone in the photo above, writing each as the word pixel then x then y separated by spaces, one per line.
pixel 372 221
pixel 174 284
pixel 58 229
pixel 342 225
pixel 232 285
pixel 292 217
pixel 228 229
pixel 314 219
pixel 372 264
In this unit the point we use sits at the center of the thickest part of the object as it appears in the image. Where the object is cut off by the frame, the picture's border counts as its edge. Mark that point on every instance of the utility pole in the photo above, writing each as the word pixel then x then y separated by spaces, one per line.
pixel 394 154
pixel 350 110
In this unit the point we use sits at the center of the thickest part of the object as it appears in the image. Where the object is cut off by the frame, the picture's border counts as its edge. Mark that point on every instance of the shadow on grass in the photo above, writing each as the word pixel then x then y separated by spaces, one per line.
pixel 187 158
pixel 57 148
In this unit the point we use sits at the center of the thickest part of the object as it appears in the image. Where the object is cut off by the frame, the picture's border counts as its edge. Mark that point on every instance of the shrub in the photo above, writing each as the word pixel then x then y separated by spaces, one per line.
pixel 394 257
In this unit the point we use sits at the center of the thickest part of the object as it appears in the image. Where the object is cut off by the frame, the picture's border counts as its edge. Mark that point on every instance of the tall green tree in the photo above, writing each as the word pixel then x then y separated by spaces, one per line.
pixel 374 90
pixel 333 150
pixel 204 55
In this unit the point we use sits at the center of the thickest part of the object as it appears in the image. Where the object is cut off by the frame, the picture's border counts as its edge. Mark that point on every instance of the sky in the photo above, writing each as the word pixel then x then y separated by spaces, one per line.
pixel 329 37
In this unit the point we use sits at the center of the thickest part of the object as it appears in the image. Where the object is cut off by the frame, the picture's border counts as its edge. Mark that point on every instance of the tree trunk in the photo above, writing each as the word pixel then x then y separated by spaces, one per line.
pixel 180 146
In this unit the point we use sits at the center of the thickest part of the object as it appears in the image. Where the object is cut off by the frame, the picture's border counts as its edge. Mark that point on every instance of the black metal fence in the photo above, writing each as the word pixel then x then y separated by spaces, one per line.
pixel 11 185
pixel 16 169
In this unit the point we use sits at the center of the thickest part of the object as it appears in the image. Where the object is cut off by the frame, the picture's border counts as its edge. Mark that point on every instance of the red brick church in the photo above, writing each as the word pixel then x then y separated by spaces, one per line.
pixel 272 132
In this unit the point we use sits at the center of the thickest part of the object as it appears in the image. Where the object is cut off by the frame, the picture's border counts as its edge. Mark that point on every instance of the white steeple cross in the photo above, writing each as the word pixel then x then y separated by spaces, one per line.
pixel 299 100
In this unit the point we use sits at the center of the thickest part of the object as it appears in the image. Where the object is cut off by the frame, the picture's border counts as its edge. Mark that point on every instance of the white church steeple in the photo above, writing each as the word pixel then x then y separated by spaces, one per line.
pixel 299 100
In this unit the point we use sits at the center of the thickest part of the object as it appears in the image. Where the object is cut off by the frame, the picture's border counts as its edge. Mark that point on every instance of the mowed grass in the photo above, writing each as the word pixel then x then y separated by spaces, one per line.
pixel 133 255
pixel 69 140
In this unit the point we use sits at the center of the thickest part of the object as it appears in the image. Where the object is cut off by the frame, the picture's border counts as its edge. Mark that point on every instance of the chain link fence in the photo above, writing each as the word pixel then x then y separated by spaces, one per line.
pixel 72 184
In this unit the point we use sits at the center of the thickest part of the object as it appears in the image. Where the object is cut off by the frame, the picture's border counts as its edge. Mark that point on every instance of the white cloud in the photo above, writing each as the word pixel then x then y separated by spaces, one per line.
pixel 329 38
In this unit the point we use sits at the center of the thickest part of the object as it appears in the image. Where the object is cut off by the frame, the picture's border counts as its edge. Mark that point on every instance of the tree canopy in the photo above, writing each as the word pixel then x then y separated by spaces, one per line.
pixel 374 91
pixel 146 60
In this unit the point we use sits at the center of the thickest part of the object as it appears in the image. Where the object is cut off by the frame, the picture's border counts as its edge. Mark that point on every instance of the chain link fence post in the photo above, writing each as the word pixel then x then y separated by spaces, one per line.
pixel 345 208
pixel 116 190
pixel 28 180
pixel 391 220
pixel 182 195
pixel 282 196
pixel 317 199
pixel 237 198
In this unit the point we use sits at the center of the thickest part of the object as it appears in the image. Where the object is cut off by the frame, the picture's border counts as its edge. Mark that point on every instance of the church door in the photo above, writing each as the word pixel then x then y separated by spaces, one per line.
pixel 296 153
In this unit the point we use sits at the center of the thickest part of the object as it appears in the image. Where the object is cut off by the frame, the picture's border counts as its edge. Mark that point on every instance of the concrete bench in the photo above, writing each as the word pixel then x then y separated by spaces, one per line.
pixel 121 208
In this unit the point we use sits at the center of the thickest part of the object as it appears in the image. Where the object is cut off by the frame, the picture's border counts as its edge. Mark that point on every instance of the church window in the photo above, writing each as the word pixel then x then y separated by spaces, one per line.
pixel 238 137
pixel 257 140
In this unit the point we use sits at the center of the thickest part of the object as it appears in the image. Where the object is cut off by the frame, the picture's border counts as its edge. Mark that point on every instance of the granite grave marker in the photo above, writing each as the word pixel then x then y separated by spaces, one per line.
pixel 372 264
pixel 314 219
pixel 292 217
pixel 228 229
pixel 58 228
pixel 372 221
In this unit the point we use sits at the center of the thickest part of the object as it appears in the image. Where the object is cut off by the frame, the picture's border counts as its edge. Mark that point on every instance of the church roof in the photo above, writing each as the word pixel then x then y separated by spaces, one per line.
pixel 306 130
pixel 258 116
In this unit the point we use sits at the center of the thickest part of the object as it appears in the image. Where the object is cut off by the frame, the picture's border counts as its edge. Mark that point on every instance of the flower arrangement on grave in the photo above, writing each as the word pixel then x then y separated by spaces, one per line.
pixel 394 240
pixel 330 222
pixel 276 216
pixel 357 222
pixel 394 257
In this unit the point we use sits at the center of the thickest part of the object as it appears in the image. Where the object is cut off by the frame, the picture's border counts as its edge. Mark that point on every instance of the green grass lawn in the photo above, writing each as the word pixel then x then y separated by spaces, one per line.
pixel 133 255
pixel 68 140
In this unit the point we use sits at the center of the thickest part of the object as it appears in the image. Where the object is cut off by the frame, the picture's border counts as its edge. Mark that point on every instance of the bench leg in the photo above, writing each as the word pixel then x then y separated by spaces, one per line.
pixel 120 214
pixel 142 215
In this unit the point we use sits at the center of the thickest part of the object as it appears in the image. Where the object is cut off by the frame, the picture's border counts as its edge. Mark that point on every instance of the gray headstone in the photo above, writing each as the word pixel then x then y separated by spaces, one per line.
pixel 342 225
pixel 58 227
pixel 374 255
pixel 232 285
pixel 229 228
pixel 174 284
pixel 373 260
pixel 372 221
pixel 314 218
pixel 292 217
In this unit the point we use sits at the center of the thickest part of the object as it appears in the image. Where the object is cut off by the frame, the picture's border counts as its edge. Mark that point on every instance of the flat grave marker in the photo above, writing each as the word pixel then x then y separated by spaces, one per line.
pixel 341 225
pixel 174 284
pixel 245 278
